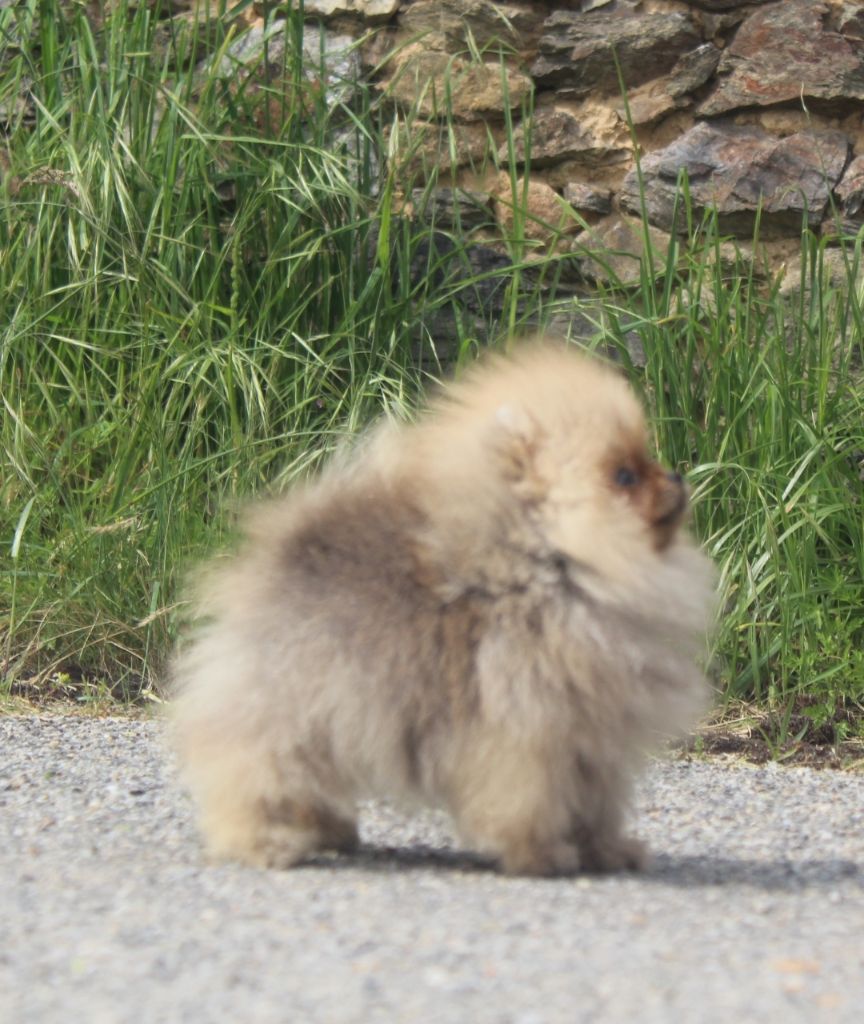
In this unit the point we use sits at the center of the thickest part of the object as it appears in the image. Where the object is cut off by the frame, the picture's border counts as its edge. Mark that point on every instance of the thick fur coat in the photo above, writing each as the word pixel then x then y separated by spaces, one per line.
pixel 492 611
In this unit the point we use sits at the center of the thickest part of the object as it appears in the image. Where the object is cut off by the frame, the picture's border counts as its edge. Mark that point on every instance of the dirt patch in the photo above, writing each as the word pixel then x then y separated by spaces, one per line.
pixel 846 756
pixel 757 735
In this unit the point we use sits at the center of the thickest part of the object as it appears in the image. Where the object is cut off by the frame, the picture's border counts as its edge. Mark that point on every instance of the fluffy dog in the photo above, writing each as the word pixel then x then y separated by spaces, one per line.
pixel 490 611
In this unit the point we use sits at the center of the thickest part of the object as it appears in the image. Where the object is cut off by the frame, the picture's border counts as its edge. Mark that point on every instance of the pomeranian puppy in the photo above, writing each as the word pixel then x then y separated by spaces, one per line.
pixel 491 611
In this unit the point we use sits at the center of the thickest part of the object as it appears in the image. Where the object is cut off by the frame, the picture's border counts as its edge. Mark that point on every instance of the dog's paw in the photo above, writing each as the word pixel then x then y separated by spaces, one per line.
pixel 619 853
pixel 543 860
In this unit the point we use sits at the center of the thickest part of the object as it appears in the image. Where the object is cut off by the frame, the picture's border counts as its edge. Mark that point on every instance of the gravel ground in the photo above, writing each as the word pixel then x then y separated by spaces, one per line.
pixel 753 908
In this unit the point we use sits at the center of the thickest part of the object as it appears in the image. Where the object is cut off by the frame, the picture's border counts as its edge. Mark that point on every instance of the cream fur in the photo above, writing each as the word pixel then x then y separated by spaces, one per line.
pixel 472 612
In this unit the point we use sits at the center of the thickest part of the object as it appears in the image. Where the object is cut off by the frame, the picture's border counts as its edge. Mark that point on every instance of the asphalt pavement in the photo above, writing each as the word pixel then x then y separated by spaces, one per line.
pixel 752 909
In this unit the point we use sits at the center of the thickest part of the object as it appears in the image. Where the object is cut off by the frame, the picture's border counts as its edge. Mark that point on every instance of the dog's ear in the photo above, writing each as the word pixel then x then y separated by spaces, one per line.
pixel 516 439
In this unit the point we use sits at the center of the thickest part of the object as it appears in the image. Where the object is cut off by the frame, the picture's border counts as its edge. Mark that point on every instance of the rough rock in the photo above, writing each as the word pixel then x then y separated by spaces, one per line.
pixel 453 208
pixel 739 169
pixel 586 199
pixel 488 276
pixel 577 51
pixel 716 25
pixel 850 193
pixel 188 37
pixel 591 5
pixel 330 60
pixel 620 243
pixel 434 85
pixel 693 69
pixel 543 215
pixel 727 5
pixel 556 135
pixel 428 146
pixel 369 10
pixel 784 51
pixel 851 22
pixel 448 24
pixel 453 267
pixel 834 269
pixel 647 103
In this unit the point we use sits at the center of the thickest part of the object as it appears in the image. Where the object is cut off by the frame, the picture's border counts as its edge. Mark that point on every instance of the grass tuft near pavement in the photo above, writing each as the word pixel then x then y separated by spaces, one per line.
pixel 206 281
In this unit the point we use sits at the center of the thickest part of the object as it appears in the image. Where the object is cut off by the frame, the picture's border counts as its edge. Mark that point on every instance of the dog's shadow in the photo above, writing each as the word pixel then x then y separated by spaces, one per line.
pixel 680 870
pixel 393 859
pixel 777 875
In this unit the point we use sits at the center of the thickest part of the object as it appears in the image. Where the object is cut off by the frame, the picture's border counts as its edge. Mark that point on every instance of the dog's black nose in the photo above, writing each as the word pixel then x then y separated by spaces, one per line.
pixel 675 478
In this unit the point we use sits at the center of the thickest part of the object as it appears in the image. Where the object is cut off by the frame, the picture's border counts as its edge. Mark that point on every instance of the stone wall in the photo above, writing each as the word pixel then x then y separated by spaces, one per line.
pixel 761 103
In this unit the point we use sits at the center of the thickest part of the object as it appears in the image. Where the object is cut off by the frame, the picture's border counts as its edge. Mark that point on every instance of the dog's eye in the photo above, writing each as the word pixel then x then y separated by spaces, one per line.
pixel 626 477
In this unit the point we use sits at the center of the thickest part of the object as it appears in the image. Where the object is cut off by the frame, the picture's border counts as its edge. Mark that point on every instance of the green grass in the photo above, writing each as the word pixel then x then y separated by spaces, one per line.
pixel 206 282
pixel 761 400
